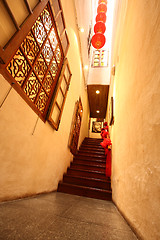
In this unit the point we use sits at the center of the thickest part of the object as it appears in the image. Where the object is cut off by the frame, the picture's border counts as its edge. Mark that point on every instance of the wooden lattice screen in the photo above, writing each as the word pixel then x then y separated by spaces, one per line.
pixel 34 67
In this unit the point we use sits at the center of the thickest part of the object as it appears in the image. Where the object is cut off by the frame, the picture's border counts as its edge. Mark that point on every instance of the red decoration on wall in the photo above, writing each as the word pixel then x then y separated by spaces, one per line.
pixel 106 144
pixel 102 8
pixel 98 40
pixel 101 17
pixel 99 27
pixel 102 1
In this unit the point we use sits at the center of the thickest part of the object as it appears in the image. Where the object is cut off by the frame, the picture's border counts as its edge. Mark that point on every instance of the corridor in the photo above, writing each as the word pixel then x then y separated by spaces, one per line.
pixel 62 216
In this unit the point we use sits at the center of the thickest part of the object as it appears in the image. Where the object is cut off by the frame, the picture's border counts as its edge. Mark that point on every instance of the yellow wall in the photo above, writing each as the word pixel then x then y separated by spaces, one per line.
pixel 31 164
pixel 136 130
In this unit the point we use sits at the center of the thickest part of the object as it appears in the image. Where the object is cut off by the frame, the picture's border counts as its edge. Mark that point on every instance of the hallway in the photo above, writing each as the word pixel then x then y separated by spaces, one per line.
pixel 62 216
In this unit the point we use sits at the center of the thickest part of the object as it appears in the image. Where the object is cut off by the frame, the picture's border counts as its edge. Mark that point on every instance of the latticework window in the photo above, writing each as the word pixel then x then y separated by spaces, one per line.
pixel 36 63
pixel 33 69
pixel 57 105
pixel 100 58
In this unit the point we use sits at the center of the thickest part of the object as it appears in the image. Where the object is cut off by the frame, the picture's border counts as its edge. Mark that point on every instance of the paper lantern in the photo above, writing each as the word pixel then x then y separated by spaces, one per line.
pixel 102 8
pixel 99 27
pixel 102 1
pixel 98 40
pixel 101 17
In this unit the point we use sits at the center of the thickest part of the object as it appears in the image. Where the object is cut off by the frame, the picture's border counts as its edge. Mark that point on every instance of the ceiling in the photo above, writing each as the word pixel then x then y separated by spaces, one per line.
pixel 97 102
pixel 86 11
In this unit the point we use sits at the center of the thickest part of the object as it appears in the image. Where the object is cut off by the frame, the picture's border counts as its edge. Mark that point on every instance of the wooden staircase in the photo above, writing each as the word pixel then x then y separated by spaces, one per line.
pixel 86 174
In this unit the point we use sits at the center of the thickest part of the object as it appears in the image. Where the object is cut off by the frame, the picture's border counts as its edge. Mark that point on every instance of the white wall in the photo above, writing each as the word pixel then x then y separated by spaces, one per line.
pixel 32 164
pixel 136 130
pixel 99 76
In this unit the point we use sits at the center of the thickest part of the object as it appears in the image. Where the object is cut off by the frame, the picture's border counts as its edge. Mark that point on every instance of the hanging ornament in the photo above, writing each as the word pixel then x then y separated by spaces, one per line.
pixel 102 8
pixel 98 40
pixel 101 17
pixel 102 1
pixel 99 27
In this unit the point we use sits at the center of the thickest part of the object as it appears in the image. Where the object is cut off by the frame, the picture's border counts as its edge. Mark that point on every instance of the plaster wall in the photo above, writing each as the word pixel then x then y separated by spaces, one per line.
pixel 31 161
pixel 99 76
pixel 136 130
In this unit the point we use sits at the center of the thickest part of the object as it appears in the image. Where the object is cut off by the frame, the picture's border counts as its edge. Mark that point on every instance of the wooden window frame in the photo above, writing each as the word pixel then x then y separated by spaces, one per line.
pixel 54 103
pixel 10 49
pixel 100 60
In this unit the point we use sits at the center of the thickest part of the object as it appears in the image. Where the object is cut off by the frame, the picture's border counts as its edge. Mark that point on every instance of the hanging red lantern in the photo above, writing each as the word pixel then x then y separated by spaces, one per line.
pixel 102 1
pixel 101 17
pixel 98 40
pixel 99 27
pixel 102 8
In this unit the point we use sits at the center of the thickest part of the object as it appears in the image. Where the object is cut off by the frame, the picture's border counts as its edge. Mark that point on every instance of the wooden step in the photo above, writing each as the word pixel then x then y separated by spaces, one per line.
pixel 85 191
pixel 89 156
pixel 89 152
pixel 86 173
pixel 87 148
pixel 92 145
pixel 88 182
pixel 88 161
pixel 96 167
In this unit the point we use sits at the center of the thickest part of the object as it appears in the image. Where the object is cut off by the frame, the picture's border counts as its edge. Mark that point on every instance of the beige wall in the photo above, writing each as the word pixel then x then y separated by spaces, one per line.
pixel 31 164
pixel 136 131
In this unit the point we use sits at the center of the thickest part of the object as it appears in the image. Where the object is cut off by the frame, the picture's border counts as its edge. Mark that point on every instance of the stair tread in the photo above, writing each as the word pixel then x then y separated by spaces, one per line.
pixel 86 175
pixel 89 165
pixel 85 187
pixel 90 178
pixel 85 170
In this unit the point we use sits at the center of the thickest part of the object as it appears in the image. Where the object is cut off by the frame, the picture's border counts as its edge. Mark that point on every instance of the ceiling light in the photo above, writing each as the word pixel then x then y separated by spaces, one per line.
pixel 97 91
pixel 97 111
pixel 86 67
pixel 81 30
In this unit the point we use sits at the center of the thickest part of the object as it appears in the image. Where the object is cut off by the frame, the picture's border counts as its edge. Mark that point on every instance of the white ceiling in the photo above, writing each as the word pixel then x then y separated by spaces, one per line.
pixel 86 11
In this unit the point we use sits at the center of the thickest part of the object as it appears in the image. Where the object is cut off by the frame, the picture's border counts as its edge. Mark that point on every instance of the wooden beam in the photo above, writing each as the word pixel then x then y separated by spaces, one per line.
pixel 11 14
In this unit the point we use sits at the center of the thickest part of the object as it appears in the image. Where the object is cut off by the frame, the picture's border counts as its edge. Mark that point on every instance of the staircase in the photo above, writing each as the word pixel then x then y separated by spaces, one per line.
pixel 86 174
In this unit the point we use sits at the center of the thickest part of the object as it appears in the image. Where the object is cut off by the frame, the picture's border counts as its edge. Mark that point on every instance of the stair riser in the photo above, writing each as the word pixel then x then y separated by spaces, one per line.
pixel 87 167
pixel 81 152
pixel 87 182
pixel 89 150
pixel 87 157
pixel 84 147
pixel 92 142
pixel 86 175
pixel 79 173
pixel 83 192
pixel 92 146
pixel 91 162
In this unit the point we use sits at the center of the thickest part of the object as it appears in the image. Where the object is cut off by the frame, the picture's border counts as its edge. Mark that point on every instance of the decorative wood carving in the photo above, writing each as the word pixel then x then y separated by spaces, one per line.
pixel 75 127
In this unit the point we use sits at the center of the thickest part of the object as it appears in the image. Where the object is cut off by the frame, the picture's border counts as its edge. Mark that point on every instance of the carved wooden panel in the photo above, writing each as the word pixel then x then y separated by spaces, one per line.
pixel 37 63
pixel 32 59
pixel 75 127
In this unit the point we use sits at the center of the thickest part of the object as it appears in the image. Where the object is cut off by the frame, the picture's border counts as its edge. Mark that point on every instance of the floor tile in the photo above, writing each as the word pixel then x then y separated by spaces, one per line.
pixel 62 216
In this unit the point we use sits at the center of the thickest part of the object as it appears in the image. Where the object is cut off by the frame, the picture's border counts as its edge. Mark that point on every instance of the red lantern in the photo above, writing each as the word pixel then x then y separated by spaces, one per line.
pixel 99 27
pixel 101 17
pixel 102 1
pixel 102 8
pixel 98 40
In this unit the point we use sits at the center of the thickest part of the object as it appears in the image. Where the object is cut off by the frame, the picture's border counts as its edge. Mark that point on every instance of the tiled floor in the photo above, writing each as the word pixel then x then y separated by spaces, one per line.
pixel 62 216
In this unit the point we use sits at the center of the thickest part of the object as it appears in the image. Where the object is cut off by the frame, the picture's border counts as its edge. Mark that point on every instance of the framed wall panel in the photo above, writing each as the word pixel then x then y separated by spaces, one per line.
pixel 58 101
pixel 75 127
